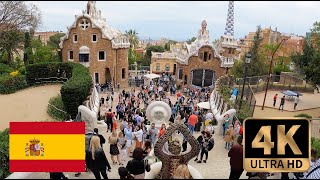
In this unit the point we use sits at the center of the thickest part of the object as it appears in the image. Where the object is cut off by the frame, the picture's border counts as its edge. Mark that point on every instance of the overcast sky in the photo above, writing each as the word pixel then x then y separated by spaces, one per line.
pixel 181 20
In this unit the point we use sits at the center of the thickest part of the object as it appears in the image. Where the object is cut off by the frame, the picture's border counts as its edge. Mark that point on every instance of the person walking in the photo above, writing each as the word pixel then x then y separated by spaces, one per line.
pixel 114 151
pixel 153 133
pixel 137 166
pixel 122 147
pixel 109 120
pixel 275 100
pixel 128 135
pixel 296 101
pixel 229 137
pixel 236 159
pixel 282 102
pixel 96 160
pixel 138 135
pixel 102 139
pixel 193 119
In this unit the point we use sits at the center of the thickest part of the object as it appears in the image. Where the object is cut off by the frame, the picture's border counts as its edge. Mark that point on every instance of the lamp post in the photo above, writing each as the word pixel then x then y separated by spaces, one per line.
pixel 270 68
pixel 247 61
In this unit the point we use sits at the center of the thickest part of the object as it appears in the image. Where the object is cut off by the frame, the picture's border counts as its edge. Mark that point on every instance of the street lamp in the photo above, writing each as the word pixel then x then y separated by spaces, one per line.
pixel 247 61
pixel 270 68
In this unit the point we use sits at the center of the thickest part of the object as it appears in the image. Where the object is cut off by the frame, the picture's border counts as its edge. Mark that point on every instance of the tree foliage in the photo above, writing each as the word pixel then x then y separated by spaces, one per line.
pixel 134 57
pixel 147 57
pixel 19 15
pixel 43 53
pixel 168 44
pixel 133 38
pixel 189 41
pixel 27 48
pixel 257 66
pixel 11 42
pixel 309 61
pixel 55 40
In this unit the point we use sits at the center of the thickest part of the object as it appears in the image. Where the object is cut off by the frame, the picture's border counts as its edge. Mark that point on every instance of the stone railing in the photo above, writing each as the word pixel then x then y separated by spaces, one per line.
pixel 218 105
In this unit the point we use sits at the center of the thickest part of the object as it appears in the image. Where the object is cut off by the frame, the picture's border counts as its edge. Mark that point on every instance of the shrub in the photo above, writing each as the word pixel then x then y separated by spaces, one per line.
pixel 76 89
pixel 22 70
pixel 315 143
pixel 10 84
pixel 5 69
pixel 38 72
pixel 4 154
pixel 56 108
pixel 304 115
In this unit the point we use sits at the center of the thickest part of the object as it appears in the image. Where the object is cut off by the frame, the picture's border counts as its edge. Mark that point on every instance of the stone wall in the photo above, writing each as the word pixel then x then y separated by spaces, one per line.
pixel 289 79
pixel 115 59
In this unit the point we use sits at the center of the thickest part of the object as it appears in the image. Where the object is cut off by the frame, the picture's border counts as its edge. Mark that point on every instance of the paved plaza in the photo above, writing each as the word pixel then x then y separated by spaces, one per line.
pixel 306 102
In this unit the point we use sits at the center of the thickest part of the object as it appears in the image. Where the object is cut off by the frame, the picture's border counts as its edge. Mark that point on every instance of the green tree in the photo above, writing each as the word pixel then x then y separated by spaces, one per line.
pixel 258 65
pixel 55 40
pixel 27 48
pixel 10 42
pixel 147 57
pixel 168 44
pixel 133 57
pixel 133 38
pixel 189 41
pixel 308 61
pixel 43 53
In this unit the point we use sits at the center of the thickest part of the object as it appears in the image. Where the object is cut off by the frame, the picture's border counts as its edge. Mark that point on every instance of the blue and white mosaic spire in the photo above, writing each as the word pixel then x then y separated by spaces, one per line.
pixel 229 30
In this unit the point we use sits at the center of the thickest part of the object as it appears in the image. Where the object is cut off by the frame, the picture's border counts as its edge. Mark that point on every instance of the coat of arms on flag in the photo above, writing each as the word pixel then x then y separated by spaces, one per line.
pixel 34 149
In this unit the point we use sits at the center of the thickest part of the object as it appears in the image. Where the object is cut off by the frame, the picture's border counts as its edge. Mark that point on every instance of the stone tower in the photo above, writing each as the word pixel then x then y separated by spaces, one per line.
pixel 229 30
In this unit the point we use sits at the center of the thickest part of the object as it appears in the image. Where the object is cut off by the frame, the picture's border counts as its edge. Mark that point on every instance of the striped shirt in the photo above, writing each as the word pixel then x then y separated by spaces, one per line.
pixel 314 171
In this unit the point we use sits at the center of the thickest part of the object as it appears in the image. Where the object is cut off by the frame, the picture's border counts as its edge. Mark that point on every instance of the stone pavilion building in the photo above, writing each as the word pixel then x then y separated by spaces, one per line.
pixel 94 44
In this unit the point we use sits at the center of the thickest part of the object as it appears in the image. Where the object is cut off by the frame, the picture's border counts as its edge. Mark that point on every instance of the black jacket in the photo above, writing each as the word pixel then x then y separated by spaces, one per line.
pixel 100 163
pixel 136 167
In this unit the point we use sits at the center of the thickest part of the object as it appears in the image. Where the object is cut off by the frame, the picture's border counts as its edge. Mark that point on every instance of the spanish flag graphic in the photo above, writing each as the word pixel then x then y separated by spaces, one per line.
pixel 47 147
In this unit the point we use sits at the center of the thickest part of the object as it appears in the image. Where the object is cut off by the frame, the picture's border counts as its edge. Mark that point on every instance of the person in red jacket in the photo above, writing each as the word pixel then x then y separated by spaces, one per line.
pixel 236 159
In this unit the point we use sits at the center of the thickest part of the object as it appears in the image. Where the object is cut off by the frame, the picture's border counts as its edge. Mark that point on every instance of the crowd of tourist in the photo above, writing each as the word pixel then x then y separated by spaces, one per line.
pixel 132 142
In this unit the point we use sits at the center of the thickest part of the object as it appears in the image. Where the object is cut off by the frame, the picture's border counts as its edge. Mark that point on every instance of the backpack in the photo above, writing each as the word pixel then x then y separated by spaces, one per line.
pixel 109 117
pixel 211 144
pixel 241 130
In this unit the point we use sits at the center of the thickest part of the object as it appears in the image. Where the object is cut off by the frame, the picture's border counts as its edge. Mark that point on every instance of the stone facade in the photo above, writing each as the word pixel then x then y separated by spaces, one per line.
pixel 112 65
pixel 195 62
pixel 163 62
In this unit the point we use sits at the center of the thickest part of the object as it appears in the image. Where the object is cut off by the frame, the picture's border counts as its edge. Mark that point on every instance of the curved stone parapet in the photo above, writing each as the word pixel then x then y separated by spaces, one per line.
pixel 218 105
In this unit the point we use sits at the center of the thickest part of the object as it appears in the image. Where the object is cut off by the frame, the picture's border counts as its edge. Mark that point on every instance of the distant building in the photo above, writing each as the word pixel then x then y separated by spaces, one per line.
pixel 94 44
pixel 163 62
pixel 294 44
pixel 45 36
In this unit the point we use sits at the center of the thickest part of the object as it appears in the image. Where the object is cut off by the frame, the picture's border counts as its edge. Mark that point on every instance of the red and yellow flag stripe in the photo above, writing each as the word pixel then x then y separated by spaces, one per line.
pixel 62 147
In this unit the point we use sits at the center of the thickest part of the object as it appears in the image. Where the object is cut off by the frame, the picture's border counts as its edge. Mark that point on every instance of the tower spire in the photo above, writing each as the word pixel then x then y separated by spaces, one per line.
pixel 229 30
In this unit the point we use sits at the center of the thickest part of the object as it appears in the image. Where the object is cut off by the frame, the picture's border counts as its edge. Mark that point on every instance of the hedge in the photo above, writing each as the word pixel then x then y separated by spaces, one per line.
pixel 54 103
pixel 303 115
pixel 48 72
pixel 75 91
pixel 10 84
pixel 4 154
pixel 76 77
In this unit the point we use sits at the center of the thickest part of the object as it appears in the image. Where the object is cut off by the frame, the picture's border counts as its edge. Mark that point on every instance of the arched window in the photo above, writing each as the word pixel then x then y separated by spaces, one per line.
pixel 205 56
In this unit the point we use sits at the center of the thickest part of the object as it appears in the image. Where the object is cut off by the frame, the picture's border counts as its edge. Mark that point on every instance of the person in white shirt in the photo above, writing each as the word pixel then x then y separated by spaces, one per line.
pixel 138 134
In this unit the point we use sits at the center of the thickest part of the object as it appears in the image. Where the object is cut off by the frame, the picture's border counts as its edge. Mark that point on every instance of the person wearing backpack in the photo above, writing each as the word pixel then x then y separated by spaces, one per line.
pixel 207 144
pixel 109 120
